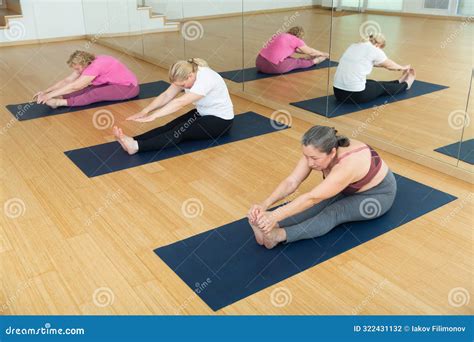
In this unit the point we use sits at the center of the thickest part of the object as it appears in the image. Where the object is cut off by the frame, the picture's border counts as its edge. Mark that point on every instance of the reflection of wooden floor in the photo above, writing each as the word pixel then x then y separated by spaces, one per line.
pixel 79 236
pixel 420 124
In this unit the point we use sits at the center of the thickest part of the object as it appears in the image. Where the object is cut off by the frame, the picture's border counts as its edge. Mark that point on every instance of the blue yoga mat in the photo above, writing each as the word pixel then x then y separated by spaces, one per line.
pixel 466 154
pixel 32 110
pixel 225 264
pixel 336 108
pixel 110 157
pixel 251 74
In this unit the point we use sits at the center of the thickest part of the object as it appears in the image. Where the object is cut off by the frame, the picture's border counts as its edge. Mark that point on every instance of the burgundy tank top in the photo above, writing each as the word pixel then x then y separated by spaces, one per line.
pixel 375 165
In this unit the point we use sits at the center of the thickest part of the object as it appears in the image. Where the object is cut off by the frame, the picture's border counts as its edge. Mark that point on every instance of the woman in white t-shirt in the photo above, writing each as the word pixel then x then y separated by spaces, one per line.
pixel 350 80
pixel 212 117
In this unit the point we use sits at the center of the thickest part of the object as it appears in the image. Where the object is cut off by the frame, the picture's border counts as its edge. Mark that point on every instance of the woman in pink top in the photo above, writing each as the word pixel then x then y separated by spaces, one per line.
pixel 357 185
pixel 275 57
pixel 95 79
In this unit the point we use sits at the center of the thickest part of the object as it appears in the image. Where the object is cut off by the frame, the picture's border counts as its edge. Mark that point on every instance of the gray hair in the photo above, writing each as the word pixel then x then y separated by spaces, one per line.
pixel 324 138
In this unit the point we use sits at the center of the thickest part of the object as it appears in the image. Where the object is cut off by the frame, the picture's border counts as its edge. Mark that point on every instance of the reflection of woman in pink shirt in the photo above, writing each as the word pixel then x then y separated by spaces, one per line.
pixel 95 79
pixel 275 57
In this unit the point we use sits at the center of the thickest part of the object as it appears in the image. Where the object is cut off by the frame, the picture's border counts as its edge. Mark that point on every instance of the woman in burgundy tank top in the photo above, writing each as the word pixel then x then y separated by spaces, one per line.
pixel 357 185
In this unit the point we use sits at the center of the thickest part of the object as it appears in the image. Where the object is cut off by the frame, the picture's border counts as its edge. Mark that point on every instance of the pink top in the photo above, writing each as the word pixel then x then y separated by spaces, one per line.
pixel 281 47
pixel 375 165
pixel 109 70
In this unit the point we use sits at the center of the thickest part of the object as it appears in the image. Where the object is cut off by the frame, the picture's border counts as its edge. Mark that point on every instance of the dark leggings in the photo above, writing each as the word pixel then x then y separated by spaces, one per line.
pixel 190 126
pixel 373 89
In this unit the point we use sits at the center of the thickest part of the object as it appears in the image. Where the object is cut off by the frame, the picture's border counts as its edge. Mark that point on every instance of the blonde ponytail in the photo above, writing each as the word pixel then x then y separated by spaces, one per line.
pixel 376 38
pixel 180 70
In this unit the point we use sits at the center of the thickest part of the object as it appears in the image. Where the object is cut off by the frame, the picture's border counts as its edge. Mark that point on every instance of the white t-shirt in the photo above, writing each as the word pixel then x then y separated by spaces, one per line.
pixel 216 100
pixel 355 64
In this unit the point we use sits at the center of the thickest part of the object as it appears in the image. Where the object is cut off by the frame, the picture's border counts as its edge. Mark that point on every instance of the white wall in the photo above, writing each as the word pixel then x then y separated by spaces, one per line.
pixel 43 19
pixel 175 9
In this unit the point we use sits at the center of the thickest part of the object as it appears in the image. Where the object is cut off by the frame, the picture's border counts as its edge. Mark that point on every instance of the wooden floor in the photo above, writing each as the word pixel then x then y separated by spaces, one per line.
pixel 74 245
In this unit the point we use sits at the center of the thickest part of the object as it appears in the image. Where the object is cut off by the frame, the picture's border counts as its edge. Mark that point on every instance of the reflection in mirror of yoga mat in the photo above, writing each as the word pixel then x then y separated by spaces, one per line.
pixel 32 110
pixel 234 266
pixel 337 108
pixel 465 152
pixel 252 74
pixel 110 157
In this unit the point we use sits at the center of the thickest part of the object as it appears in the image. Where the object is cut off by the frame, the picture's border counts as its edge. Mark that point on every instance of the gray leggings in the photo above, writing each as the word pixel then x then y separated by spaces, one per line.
pixel 324 216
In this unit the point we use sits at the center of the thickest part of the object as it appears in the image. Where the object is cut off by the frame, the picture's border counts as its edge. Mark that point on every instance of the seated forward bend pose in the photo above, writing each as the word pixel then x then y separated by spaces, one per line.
pixel 356 63
pixel 94 79
pixel 357 185
pixel 276 56
pixel 212 117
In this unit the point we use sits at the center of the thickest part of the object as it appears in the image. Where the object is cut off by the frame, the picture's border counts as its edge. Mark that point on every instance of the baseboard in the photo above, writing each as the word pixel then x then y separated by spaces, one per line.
pixel 41 41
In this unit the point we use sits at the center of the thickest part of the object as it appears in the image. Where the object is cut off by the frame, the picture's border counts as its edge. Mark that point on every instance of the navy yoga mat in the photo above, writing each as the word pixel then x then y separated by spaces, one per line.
pixel 251 74
pixel 32 110
pixel 225 264
pixel 336 108
pixel 110 157
pixel 466 153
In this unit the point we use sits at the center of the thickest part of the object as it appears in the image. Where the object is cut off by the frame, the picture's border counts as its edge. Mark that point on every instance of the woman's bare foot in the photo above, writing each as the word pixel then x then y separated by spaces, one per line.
pixel 319 59
pixel 129 144
pixel 274 237
pixel 404 76
pixel 55 103
pixel 258 233
pixel 411 78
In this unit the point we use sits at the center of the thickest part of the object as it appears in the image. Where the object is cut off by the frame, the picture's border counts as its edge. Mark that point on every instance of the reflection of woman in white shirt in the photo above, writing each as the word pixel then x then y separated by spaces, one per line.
pixel 212 117
pixel 356 63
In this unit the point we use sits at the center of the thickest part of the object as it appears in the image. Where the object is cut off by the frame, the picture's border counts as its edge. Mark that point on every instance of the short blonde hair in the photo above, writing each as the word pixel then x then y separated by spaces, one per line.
pixel 79 57
pixel 296 31
pixel 376 38
pixel 180 70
